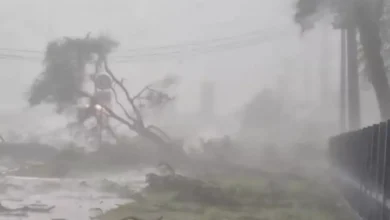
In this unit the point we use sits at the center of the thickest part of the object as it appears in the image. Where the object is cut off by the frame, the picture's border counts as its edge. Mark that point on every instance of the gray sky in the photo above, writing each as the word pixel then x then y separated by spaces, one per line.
pixel 239 72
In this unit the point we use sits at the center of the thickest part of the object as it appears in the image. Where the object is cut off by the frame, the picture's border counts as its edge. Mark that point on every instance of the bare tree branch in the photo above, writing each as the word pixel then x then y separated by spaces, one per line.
pixel 142 91
pixel 142 131
pixel 122 107
pixel 148 87
pixel 129 99
pixel 110 112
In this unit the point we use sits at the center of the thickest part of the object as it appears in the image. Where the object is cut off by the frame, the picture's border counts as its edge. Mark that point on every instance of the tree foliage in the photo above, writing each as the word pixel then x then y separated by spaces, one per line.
pixel 64 69
pixel 64 75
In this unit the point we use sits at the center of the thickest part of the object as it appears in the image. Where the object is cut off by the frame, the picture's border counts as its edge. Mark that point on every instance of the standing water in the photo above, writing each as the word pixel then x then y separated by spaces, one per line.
pixel 73 198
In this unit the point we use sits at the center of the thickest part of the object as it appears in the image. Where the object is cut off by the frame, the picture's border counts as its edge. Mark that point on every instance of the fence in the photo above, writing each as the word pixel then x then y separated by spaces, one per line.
pixel 362 162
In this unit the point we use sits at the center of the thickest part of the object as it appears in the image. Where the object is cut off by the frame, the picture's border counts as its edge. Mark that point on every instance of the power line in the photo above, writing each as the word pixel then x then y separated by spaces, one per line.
pixel 211 49
pixel 254 33
pixel 213 40
pixel 200 47
pixel 222 46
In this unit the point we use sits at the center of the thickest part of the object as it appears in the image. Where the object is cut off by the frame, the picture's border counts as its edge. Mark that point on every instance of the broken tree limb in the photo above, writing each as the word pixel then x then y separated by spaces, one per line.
pixel 141 130
pixel 110 112
pixel 127 94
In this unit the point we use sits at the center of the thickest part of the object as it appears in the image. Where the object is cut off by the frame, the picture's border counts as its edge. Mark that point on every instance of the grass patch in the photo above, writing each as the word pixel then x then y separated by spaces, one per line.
pixel 268 197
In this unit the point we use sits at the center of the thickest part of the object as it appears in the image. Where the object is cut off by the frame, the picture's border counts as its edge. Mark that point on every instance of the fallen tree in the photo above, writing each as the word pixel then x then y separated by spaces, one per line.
pixel 62 83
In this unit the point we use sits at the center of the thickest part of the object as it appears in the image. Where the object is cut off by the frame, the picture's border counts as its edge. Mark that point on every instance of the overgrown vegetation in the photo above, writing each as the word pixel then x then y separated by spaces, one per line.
pixel 237 196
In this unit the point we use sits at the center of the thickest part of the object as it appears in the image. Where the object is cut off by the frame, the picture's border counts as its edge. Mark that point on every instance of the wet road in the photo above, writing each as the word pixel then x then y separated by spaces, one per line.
pixel 72 199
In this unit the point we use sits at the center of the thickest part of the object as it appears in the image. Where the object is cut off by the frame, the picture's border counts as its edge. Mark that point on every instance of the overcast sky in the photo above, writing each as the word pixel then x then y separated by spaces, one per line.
pixel 239 72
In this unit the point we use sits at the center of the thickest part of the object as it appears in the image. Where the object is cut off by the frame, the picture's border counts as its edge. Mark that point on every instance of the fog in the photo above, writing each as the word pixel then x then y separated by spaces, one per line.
pixel 281 58
pixel 253 96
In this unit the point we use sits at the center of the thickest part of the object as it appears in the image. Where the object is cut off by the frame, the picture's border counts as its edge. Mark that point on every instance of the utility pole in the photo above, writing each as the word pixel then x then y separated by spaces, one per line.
pixel 102 84
pixel 324 62
pixel 343 86
pixel 353 80
pixel 346 23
